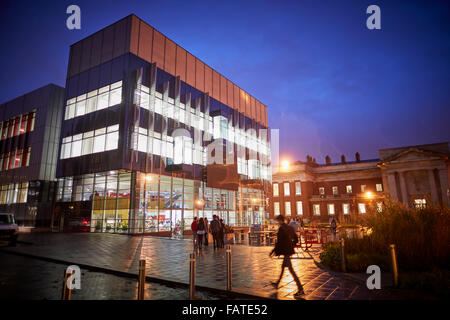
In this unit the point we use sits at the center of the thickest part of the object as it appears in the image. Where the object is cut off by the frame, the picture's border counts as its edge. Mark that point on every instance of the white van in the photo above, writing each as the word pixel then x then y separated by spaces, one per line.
pixel 8 227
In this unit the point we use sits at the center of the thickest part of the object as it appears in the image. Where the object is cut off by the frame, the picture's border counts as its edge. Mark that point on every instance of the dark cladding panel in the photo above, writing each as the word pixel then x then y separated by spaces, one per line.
pixel 158 49
pixel 108 41
pixel 222 176
pixel 169 59
pixel 86 54
pixel 75 58
pixel 96 51
pixel 180 69
pixel 120 38
pixel 94 76
pixel 190 75
pixel 145 42
pixel 208 81
pixel 199 75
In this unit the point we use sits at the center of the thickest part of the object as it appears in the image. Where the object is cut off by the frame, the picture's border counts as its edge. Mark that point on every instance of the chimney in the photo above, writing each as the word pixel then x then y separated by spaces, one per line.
pixel 314 160
pixel 358 158
pixel 343 159
pixel 327 160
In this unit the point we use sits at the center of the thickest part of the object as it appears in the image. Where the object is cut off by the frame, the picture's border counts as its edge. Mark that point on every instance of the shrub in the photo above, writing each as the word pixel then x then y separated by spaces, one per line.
pixel 421 237
pixel 331 256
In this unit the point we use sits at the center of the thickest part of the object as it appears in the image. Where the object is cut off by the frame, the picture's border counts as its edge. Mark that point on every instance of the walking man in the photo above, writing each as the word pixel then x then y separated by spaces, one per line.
pixel 286 240
pixel 215 228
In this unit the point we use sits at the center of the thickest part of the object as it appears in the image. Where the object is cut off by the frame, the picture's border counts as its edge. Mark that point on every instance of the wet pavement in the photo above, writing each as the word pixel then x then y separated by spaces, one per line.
pixel 168 259
pixel 24 278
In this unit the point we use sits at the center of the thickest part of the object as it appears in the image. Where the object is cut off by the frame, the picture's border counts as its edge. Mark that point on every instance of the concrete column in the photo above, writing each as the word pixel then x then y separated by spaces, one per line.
pixel 404 189
pixel 433 189
pixel 392 187
pixel 443 178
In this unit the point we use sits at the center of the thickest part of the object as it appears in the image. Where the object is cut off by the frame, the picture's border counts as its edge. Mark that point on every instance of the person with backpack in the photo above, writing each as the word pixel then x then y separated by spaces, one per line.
pixel 200 232
pixel 286 241
pixel 214 226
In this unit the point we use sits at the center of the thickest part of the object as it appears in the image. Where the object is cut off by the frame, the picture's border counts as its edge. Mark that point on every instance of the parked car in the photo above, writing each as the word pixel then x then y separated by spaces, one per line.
pixel 8 228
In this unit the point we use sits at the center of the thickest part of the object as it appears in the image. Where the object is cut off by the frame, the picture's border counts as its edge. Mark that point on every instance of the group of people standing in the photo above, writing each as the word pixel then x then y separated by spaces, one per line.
pixel 201 228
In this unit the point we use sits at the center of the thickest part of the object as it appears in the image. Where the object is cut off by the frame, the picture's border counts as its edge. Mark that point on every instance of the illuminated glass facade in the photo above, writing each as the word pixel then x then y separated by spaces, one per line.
pixel 135 143
pixel 30 126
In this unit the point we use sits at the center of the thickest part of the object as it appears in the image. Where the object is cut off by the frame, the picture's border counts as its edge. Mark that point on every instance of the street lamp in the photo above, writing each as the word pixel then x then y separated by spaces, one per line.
pixel 369 195
pixel 285 165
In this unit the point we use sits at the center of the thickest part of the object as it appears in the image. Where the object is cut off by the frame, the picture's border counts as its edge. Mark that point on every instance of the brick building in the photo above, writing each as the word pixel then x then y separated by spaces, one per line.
pixel 414 175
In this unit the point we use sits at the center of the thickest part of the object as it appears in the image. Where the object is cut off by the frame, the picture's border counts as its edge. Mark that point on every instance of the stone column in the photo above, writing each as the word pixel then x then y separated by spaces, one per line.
pixel 404 189
pixel 433 189
pixel 392 187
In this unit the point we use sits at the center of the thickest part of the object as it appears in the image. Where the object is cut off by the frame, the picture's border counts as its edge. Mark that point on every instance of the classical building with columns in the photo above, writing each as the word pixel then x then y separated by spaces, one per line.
pixel 413 175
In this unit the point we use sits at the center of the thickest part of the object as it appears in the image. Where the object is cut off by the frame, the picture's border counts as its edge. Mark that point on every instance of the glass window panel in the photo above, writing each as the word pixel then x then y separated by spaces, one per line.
pixel 113 128
pixel 99 143
pixel 87 146
pixel 76 149
pixel 112 141
pixel 100 131
pixel 80 108
pixel 91 104
pixel 115 97
pixel 102 102
pixel 116 84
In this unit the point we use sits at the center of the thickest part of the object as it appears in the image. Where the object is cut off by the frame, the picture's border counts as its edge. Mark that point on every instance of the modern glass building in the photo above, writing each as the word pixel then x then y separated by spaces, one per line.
pixel 29 138
pixel 151 137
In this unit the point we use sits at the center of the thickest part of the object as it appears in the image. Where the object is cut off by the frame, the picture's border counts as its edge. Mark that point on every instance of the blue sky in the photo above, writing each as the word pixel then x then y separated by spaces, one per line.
pixel 331 85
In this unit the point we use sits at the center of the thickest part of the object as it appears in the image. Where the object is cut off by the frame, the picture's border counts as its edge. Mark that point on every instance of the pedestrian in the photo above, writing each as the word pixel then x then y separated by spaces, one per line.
pixel 214 226
pixel 200 232
pixel 194 230
pixel 333 226
pixel 206 231
pixel 286 241
pixel 222 234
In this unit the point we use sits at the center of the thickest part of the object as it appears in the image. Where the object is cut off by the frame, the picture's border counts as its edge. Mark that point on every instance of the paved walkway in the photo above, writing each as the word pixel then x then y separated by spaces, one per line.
pixel 34 279
pixel 169 259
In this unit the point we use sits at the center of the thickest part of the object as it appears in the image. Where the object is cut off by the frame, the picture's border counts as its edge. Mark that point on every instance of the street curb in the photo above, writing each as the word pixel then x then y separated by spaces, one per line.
pixel 239 293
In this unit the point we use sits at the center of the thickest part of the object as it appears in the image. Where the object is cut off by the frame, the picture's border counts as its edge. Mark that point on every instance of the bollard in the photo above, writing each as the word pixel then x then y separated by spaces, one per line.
pixel 343 264
pixel 228 257
pixel 141 284
pixel 192 277
pixel 66 291
pixel 394 264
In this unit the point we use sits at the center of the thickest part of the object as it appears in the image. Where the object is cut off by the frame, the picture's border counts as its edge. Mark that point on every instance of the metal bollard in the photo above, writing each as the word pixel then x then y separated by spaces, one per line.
pixel 141 284
pixel 66 291
pixel 394 264
pixel 343 264
pixel 192 277
pixel 229 274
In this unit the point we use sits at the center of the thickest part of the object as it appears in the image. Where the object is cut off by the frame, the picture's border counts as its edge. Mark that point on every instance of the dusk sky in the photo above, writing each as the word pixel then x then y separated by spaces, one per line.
pixel 331 85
